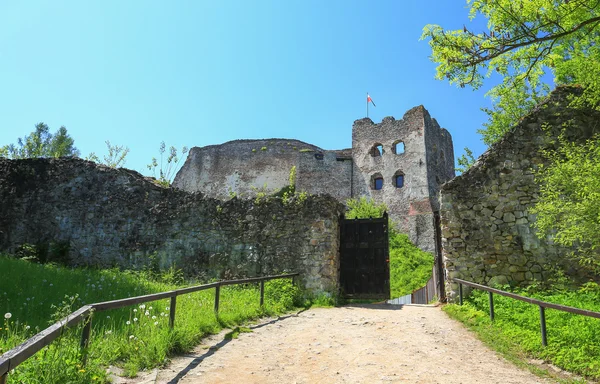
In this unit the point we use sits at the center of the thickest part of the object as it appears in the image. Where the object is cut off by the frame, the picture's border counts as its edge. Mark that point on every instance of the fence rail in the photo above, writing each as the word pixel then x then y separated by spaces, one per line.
pixel 542 304
pixel 12 358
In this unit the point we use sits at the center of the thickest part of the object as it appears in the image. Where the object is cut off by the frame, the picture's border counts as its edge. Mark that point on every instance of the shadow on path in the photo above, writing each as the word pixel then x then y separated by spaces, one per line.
pixel 385 306
pixel 214 348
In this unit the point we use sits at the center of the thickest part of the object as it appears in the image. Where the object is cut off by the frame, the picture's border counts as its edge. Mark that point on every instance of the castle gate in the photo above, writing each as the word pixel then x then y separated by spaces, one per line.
pixel 364 258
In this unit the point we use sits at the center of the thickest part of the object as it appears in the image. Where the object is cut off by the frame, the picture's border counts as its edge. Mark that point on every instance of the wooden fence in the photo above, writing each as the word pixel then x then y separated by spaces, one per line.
pixel 423 295
pixel 542 304
pixel 12 358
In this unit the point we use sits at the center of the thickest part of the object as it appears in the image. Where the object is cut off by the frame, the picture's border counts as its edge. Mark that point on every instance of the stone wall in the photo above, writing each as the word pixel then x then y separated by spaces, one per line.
pixel 245 166
pixel 487 231
pixel 411 205
pixel 100 216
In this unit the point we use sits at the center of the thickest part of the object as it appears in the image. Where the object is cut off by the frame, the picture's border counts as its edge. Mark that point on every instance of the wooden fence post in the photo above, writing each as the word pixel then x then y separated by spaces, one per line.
pixel 217 294
pixel 460 294
pixel 262 293
pixel 543 325
pixel 491 295
pixel 3 378
pixel 84 343
pixel 172 310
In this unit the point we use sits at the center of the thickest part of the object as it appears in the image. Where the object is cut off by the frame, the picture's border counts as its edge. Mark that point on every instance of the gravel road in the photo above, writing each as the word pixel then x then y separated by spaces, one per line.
pixel 351 344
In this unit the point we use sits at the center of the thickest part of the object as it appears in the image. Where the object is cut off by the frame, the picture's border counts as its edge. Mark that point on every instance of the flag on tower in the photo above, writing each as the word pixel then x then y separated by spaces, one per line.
pixel 369 100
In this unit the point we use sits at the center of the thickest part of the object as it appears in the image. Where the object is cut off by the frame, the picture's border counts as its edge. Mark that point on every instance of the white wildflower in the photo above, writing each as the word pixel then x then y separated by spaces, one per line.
pixel 131 337
pixel 147 313
pixel 135 319
pixel 153 317
pixel 156 323
pixel 128 322
pixel 142 306
pixel 7 315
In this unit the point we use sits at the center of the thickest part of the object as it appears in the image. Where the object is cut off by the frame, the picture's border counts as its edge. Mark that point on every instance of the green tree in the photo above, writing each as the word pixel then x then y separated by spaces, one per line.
pixel 569 204
pixel 166 167
pixel 42 143
pixel 524 40
pixel 115 158
pixel 465 161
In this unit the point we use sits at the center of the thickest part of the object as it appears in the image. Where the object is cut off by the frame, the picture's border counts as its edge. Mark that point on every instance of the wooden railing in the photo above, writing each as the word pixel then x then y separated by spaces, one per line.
pixel 12 358
pixel 542 304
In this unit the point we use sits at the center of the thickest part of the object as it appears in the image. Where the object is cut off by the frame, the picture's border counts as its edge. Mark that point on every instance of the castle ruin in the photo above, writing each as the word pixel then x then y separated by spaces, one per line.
pixel 401 163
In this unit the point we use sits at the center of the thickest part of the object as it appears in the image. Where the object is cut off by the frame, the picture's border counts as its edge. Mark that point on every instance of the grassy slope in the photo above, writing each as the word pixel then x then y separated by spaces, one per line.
pixel 410 267
pixel 573 340
pixel 136 337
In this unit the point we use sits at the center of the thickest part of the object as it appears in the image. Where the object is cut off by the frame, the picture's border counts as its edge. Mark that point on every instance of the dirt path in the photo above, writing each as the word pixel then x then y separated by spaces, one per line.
pixel 353 344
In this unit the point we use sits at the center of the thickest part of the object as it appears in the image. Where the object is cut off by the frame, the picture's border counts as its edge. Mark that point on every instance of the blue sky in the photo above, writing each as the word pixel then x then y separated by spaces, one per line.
pixel 198 73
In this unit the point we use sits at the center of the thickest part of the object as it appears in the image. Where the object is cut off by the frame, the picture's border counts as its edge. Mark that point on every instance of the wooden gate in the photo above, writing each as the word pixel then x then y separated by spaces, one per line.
pixel 364 258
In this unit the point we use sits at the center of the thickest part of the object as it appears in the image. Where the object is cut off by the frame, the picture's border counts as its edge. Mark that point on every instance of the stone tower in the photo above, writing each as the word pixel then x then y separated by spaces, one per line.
pixel 401 163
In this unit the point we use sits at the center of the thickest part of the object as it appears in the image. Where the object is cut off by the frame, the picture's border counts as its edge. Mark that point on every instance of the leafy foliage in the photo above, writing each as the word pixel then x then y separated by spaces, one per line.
pixel 364 208
pixel 569 205
pixel 166 170
pixel 115 158
pixel 524 41
pixel 42 143
pixel 465 161
pixel 410 267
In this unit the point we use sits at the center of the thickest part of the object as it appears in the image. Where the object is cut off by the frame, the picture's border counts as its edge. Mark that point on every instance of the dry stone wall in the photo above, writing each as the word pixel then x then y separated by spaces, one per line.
pixel 487 230
pixel 97 216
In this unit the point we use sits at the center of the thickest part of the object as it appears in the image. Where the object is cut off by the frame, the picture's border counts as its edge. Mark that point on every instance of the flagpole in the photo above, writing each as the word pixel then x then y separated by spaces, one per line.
pixel 367 104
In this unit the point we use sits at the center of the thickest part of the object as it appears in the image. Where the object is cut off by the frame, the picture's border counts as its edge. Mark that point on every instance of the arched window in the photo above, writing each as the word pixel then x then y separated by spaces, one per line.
pixel 398 147
pixel 377 150
pixel 399 179
pixel 377 181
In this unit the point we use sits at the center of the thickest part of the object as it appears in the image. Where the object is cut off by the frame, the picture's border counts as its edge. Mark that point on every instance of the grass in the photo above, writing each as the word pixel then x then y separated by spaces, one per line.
pixel 134 338
pixel 573 340
pixel 410 267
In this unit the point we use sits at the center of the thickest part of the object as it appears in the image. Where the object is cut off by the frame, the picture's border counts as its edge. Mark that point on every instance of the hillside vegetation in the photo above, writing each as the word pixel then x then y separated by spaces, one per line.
pixel 573 340
pixel 33 296
pixel 410 267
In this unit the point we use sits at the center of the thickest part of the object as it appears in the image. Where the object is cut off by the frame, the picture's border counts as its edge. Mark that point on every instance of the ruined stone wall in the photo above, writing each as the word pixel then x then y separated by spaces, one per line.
pixel 245 167
pixel 440 158
pixel 411 205
pixel 116 217
pixel 487 230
